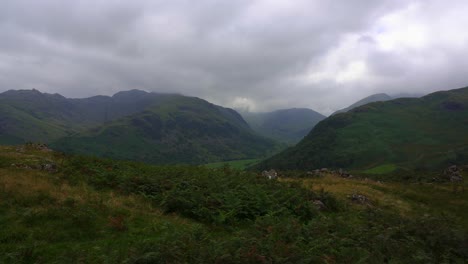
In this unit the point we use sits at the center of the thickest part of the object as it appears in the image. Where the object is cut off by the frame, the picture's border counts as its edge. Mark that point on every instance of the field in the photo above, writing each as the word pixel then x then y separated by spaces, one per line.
pixel 236 164
pixel 92 210
pixel 381 169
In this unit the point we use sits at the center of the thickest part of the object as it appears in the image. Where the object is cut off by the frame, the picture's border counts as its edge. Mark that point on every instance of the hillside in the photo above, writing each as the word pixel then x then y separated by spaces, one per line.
pixel 87 210
pixel 137 125
pixel 29 115
pixel 288 125
pixel 175 129
pixel 407 133
pixel 381 97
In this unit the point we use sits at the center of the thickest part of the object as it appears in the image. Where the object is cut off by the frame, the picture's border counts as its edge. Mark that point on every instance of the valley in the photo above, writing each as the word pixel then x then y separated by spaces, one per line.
pixel 233 132
pixel 177 179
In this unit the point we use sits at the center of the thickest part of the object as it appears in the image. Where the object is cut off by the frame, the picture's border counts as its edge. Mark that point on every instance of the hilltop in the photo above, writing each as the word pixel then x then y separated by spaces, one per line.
pixel 380 97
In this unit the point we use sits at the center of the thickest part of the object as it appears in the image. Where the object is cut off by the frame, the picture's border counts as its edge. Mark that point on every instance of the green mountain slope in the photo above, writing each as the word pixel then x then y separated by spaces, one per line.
pixel 428 132
pixel 29 115
pixel 33 116
pixel 287 125
pixel 174 129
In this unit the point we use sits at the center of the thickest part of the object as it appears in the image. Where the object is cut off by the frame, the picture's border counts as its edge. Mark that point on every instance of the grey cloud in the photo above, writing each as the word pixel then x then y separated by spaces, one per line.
pixel 224 51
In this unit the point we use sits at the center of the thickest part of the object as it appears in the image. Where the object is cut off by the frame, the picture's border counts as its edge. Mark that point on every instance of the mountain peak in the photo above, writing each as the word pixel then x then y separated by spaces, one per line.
pixel 379 97
pixel 22 92
pixel 130 93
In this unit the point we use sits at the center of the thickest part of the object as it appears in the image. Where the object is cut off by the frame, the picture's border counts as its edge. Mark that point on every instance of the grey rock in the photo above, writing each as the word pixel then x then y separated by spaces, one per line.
pixel 271 174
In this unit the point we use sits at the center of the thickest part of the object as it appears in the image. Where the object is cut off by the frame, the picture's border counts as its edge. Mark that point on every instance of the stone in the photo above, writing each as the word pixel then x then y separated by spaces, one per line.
pixel 50 167
pixel 271 174
pixel 360 199
pixel 320 205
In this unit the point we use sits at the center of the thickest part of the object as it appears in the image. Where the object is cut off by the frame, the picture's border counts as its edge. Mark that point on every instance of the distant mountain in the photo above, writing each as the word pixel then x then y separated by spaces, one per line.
pixel 287 125
pixel 407 95
pixel 381 97
pixel 173 129
pixel 29 115
pixel 152 127
pixel 423 133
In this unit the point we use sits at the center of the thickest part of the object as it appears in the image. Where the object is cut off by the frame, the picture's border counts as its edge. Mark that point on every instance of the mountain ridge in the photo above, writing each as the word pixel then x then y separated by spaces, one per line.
pixel 177 129
pixel 369 99
pixel 410 133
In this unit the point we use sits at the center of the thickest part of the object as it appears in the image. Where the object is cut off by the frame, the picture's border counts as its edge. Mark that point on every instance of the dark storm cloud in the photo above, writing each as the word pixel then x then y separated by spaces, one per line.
pixel 262 54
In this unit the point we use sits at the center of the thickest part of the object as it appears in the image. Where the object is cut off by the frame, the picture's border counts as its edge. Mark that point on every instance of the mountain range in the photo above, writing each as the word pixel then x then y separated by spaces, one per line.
pixel 29 115
pixel 406 133
pixel 136 125
pixel 174 129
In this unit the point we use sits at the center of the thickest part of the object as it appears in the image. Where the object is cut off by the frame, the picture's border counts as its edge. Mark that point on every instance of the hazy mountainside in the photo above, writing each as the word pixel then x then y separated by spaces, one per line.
pixel 424 133
pixel 381 97
pixel 407 95
pixel 152 127
pixel 287 125
pixel 29 115
pixel 176 129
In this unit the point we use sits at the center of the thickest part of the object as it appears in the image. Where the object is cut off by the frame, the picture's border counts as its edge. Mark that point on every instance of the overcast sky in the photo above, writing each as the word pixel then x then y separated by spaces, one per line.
pixel 254 54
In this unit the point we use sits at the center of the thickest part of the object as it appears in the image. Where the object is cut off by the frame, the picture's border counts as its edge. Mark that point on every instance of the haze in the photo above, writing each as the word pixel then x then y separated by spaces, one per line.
pixel 252 55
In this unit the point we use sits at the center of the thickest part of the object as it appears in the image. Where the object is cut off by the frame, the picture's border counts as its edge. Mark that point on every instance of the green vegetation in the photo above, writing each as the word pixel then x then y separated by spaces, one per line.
pixel 381 169
pixel 61 208
pixel 288 126
pixel 131 125
pixel 235 164
pixel 105 211
pixel 424 134
pixel 177 130
pixel 29 115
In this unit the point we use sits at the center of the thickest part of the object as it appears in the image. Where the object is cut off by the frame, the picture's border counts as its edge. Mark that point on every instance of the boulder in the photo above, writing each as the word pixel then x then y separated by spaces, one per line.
pixel 49 167
pixel 271 174
pixel 320 205
pixel 360 199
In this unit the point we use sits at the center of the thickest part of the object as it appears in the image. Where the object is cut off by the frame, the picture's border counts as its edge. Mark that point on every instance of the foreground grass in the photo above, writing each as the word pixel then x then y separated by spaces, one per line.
pixel 407 199
pixel 103 211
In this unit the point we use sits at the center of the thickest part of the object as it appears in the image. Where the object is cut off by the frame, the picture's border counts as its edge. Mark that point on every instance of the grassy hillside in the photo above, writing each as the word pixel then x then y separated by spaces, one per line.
pixel 177 129
pixel 136 125
pixel 288 125
pixel 408 133
pixel 104 211
pixel 33 116
pixel 29 115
